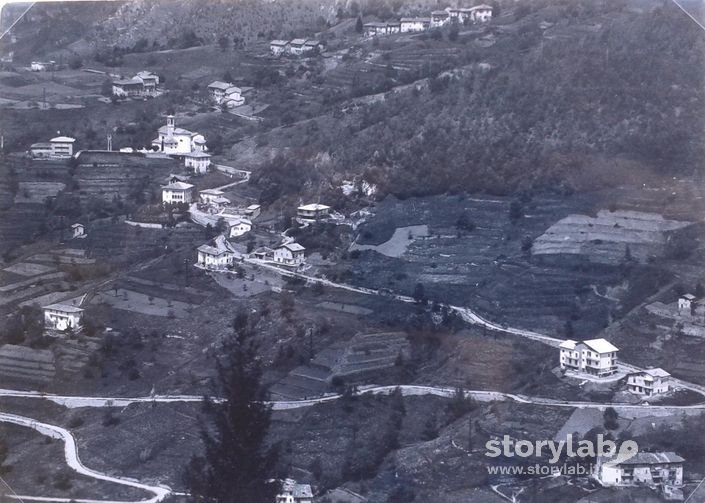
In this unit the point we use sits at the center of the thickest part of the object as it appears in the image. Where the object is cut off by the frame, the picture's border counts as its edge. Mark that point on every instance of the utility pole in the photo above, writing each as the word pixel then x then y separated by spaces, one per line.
pixel 110 143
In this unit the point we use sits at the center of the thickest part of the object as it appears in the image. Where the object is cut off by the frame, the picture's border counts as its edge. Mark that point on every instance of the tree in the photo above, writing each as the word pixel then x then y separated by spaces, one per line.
pixel 359 26
pixel 419 293
pixel 75 63
pixel 610 419
pixel 236 459
pixel 223 42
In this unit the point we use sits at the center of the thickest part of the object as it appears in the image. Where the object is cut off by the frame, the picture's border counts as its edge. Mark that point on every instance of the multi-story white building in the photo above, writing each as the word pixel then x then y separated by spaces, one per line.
pixel 411 24
pixel 278 47
pixel 291 254
pixel 216 256
pixel 178 141
pixel 596 357
pixel 62 317
pixel 198 162
pixel 177 192
pixel 645 468
pixel 225 93
pixel 142 84
pixel 312 212
pixel 649 382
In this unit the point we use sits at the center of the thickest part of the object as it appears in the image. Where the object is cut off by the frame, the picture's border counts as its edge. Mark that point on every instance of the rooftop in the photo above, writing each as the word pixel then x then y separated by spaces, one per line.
pixel 219 85
pixel 63 139
pixel 178 186
pixel 212 192
pixel 293 247
pixel 279 42
pixel 64 308
pixel 652 458
pixel 313 207
pixel 298 41
pixel 600 346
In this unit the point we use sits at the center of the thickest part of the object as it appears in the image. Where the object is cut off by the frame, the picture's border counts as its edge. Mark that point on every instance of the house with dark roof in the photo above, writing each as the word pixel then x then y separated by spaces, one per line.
pixel 644 468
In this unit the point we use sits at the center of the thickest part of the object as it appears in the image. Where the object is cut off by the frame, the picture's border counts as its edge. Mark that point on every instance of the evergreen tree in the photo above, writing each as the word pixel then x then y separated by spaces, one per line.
pixel 236 464
pixel 358 25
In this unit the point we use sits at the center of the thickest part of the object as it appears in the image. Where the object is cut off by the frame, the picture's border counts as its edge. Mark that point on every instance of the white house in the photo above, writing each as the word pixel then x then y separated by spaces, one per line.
pixel 253 211
pixel 649 382
pixel 295 493
pixel 239 227
pixel 62 147
pixel 62 317
pixel 312 212
pixel 312 46
pixel 377 28
pixel 411 24
pixel 685 303
pixel 481 13
pixel 296 46
pixel 197 161
pixel 142 84
pixel 278 47
pixel 439 18
pixel 225 93
pixel 78 231
pixel 289 254
pixel 645 468
pixel 596 357
pixel 42 66
pixel 216 256
pixel 41 150
pixel 177 192
pixel 208 196
pixel 178 141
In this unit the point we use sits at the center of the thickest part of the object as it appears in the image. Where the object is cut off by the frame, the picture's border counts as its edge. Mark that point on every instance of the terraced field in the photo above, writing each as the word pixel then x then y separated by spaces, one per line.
pixel 487 267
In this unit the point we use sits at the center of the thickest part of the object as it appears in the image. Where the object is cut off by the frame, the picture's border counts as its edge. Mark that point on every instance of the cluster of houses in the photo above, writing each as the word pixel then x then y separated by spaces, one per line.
pixel 295 47
pixel 597 358
pixel 225 94
pixel 143 85
pixel 219 254
pixel 477 14
pixel 60 147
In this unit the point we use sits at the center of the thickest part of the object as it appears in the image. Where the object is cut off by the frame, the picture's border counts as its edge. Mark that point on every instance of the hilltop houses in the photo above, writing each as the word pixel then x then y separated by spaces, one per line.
pixel 596 357
pixel 278 47
pixel 144 84
pixel 60 147
pixel 381 28
pixel 437 18
pixel 649 382
pixel 225 93
pixel 177 192
pixel 62 317
pixel 644 468
pixel 178 141
pixel 217 255
pixel 411 24
pixel 295 47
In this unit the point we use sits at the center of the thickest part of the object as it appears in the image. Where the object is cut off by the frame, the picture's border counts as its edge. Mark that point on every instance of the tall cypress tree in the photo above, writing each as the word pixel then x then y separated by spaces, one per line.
pixel 236 464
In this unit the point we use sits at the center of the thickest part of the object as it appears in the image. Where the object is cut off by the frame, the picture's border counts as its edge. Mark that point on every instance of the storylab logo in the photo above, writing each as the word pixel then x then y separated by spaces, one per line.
pixel 557 451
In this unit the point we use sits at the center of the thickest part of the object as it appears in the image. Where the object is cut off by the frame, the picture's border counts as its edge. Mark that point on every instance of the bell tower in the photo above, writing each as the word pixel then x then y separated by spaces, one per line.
pixel 170 125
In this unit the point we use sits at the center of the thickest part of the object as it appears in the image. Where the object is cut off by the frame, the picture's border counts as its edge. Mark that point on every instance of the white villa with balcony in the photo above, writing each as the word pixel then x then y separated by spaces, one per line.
pixel 649 382
pixel 596 357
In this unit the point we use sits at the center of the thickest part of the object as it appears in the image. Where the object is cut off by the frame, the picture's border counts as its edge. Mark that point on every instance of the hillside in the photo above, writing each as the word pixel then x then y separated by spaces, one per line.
pixel 586 84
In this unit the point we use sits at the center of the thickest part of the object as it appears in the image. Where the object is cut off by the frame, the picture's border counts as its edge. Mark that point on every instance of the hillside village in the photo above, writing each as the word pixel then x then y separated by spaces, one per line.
pixel 427 262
